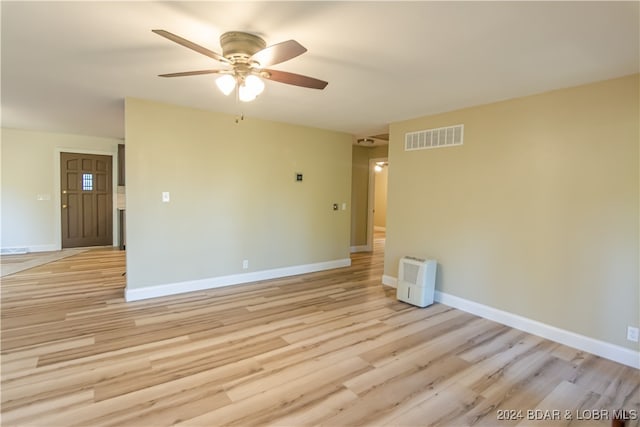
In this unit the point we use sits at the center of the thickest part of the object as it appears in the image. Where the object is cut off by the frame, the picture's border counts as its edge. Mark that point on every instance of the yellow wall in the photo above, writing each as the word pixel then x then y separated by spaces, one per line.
pixel 359 195
pixel 537 213
pixel 233 194
pixel 380 200
pixel 30 188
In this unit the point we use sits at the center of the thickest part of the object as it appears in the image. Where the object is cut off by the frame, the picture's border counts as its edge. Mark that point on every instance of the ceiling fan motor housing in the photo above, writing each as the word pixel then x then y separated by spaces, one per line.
pixel 237 45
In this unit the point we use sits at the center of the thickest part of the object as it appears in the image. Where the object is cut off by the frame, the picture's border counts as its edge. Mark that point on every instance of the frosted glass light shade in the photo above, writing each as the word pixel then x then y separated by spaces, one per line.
pixel 254 84
pixel 245 94
pixel 251 87
pixel 226 83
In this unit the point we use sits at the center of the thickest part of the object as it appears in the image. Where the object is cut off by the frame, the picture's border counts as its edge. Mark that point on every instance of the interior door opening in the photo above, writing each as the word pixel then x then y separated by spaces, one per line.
pixel 377 214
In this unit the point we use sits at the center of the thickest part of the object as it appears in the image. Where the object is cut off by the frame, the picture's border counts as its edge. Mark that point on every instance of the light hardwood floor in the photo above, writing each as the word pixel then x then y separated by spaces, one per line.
pixel 11 264
pixel 330 348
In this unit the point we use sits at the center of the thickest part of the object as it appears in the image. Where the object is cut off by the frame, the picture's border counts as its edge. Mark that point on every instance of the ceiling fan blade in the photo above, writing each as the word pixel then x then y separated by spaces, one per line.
pixel 278 53
pixel 189 73
pixel 294 79
pixel 191 45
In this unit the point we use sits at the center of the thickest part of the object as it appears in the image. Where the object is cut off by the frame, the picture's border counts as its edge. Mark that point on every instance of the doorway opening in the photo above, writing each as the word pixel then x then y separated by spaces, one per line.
pixel 377 203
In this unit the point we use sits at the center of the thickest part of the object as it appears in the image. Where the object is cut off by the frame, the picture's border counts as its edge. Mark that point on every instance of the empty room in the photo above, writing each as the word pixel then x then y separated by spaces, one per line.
pixel 320 213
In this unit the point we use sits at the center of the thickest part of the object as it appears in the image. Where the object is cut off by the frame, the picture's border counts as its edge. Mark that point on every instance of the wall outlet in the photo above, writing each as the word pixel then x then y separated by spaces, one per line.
pixel 632 333
pixel 245 264
pixel 166 197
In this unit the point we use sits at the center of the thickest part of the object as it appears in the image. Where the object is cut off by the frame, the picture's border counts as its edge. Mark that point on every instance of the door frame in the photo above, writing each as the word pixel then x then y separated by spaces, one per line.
pixel 371 198
pixel 57 198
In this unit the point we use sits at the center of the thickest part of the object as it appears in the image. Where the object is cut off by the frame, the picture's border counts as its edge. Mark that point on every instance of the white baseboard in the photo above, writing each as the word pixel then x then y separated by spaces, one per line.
pixel 390 281
pixel 581 342
pixel 136 294
pixel 14 251
pixel 44 248
pixel 361 248
pixel 29 249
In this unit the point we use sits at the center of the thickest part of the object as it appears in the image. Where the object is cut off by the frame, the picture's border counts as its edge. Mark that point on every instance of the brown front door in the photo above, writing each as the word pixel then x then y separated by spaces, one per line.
pixel 87 197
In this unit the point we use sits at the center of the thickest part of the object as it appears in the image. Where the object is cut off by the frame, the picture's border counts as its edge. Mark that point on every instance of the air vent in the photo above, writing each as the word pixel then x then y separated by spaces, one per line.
pixel 434 138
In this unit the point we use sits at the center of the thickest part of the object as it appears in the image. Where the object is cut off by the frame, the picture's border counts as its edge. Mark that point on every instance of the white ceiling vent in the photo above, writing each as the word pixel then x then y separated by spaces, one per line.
pixel 434 138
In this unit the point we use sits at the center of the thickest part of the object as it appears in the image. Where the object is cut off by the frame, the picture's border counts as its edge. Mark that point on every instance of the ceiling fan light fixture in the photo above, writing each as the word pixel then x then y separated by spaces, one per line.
pixel 246 54
pixel 226 83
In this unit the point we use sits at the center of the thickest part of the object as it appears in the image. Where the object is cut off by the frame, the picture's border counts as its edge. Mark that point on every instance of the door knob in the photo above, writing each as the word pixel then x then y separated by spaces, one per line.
pixel 64 206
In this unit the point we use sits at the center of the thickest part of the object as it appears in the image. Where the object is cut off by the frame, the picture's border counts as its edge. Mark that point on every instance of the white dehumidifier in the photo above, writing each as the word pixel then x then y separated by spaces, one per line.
pixel 416 280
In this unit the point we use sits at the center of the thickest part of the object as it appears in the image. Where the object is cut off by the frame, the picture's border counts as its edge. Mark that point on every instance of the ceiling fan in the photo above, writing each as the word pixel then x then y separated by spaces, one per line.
pixel 247 55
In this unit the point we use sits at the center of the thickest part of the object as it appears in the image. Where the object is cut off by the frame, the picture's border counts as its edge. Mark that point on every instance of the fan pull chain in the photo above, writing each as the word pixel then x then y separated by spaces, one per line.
pixel 241 116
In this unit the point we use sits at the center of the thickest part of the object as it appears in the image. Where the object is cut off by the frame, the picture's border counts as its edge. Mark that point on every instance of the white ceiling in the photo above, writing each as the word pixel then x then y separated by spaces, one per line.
pixel 67 66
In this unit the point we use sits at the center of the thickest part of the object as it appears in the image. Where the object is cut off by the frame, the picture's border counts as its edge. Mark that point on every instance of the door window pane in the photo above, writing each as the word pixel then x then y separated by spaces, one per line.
pixel 87 182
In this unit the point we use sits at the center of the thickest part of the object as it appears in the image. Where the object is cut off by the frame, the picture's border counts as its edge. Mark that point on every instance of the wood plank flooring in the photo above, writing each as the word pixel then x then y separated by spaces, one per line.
pixel 331 348
pixel 13 263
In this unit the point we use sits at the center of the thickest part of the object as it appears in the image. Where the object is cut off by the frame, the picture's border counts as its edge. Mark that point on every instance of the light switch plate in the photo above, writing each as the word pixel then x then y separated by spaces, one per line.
pixel 165 197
